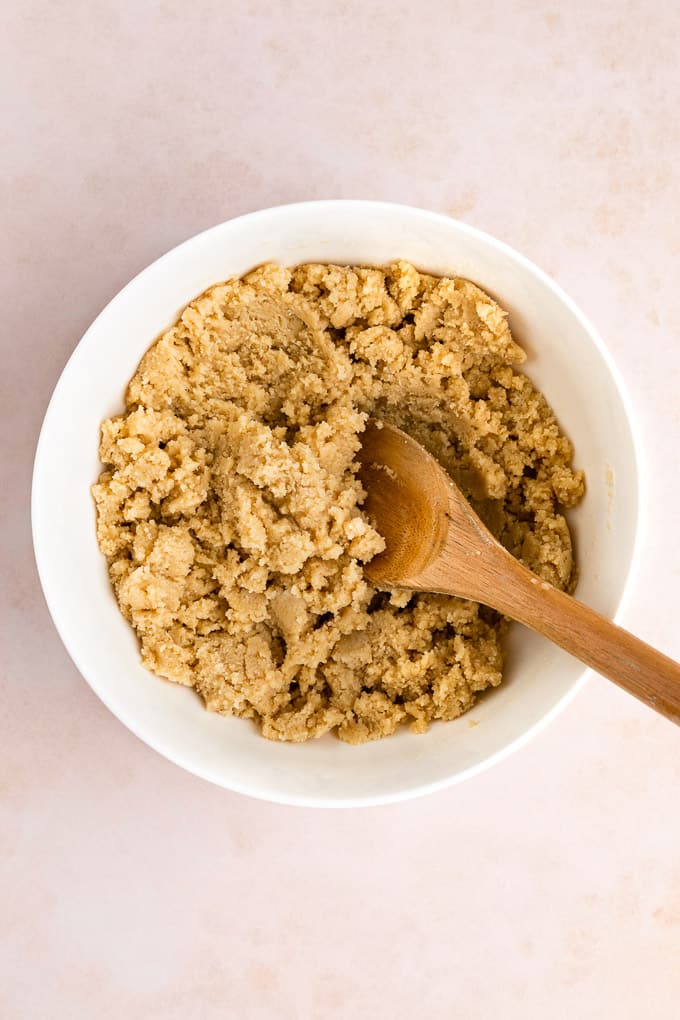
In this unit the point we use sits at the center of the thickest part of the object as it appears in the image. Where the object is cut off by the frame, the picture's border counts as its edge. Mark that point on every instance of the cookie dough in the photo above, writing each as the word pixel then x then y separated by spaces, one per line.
pixel 229 509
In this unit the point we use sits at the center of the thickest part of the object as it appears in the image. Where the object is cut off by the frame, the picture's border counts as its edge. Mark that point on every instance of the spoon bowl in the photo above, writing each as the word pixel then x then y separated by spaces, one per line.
pixel 411 506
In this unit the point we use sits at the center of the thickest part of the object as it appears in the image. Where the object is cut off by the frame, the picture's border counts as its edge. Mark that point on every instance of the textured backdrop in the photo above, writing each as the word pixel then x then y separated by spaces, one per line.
pixel 550 885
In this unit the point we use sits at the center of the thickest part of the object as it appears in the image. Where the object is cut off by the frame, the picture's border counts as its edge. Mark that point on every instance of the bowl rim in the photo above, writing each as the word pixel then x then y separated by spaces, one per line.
pixel 258 791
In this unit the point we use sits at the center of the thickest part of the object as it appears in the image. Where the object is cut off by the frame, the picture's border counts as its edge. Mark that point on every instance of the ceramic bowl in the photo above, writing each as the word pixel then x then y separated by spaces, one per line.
pixel 566 360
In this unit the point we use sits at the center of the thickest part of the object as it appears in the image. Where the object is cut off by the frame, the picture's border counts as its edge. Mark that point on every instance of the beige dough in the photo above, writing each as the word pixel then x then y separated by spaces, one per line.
pixel 230 514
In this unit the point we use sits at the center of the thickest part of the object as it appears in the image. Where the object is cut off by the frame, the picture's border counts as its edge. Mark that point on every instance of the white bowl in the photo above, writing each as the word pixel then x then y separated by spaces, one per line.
pixel 568 362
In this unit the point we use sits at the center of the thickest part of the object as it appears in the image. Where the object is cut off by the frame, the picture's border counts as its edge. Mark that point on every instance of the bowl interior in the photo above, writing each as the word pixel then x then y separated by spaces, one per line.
pixel 566 361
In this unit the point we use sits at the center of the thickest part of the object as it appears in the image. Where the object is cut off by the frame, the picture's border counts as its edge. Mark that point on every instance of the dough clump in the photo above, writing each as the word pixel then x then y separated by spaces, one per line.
pixel 229 510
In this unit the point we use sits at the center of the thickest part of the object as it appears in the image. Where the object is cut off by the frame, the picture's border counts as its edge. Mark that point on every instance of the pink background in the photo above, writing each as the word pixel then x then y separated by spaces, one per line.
pixel 550 885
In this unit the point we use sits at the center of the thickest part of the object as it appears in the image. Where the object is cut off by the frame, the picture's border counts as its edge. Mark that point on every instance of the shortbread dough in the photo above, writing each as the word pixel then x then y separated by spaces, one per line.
pixel 229 509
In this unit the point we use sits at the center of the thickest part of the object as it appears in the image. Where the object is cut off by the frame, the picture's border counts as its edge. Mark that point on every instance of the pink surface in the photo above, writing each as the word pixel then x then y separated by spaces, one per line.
pixel 549 886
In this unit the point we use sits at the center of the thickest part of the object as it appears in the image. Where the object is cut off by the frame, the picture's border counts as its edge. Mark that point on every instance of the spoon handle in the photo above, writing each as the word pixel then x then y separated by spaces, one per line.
pixel 610 650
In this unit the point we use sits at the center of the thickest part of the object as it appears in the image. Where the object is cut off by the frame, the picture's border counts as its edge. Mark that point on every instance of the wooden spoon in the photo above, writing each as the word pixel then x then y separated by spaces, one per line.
pixel 435 542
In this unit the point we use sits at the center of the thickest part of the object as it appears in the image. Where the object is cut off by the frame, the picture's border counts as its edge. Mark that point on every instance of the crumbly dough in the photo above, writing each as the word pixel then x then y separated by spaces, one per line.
pixel 229 509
